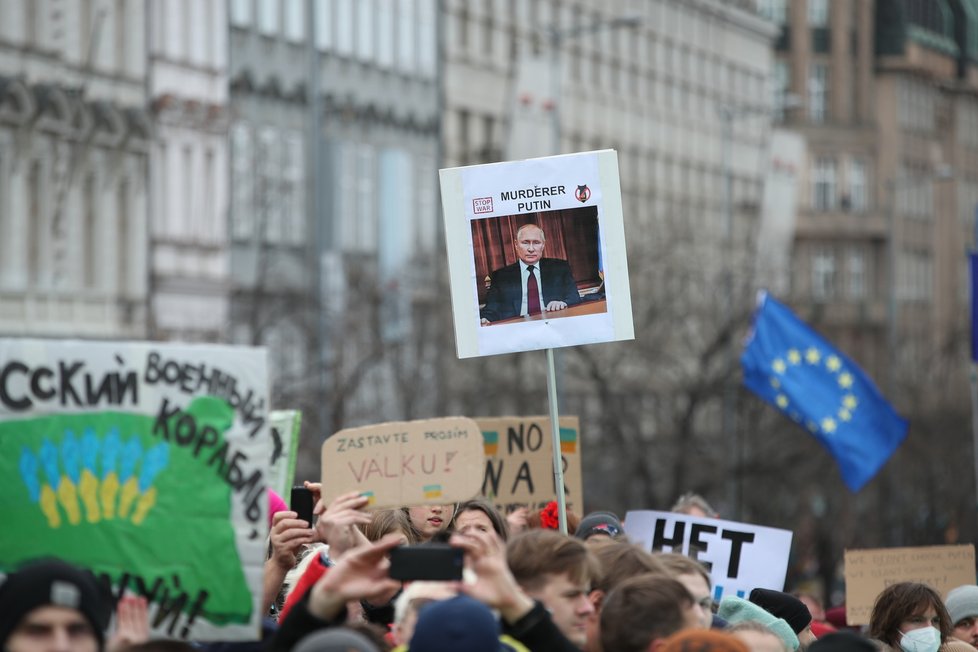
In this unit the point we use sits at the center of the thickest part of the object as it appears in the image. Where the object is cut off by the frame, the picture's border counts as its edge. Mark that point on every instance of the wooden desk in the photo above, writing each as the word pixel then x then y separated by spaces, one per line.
pixel 586 308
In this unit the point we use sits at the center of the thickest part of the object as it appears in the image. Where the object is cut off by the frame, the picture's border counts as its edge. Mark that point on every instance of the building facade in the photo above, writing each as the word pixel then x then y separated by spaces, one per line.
pixel 74 145
pixel 889 104
pixel 334 218
pixel 189 172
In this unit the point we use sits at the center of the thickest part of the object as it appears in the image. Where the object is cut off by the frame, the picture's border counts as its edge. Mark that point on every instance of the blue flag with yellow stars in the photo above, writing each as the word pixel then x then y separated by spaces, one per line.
pixel 799 372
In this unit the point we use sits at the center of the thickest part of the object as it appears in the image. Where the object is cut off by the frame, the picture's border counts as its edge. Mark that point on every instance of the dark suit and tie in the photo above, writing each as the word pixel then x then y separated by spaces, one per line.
pixel 530 285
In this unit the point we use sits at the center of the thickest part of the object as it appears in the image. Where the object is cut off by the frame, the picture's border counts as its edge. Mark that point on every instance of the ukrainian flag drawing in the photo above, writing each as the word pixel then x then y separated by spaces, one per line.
pixel 432 491
pixel 369 495
pixel 568 440
pixel 490 441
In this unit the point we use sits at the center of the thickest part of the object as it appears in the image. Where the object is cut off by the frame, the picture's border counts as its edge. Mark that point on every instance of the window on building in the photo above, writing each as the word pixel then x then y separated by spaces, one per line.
pixel 823 185
pixel 858 188
pixel 933 15
pixel 856 273
pixel 295 20
pixel 119 31
pixel 268 17
pixel 242 183
pixel 385 34
pixel 427 39
pixel 823 274
pixel 915 276
pixel 818 13
pixel 344 26
pixel 366 198
pixel 207 226
pixel 187 25
pixel 365 29
pixel 90 234
pixel 774 10
pixel 818 91
pixel 293 184
pixel 241 13
pixel 35 224
pixel 407 21
pixel 123 218
pixel 780 84
pixel 269 203
pixel 322 14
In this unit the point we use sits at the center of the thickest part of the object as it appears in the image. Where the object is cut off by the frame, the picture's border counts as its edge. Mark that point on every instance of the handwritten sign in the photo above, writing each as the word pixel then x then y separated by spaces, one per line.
pixel 869 571
pixel 434 461
pixel 132 458
pixel 519 461
pixel 739 556
pixel 285 446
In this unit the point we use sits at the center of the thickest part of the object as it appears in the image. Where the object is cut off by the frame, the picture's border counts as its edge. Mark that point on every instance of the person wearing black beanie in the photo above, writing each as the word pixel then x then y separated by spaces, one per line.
pixel 788 607
pixel 52 606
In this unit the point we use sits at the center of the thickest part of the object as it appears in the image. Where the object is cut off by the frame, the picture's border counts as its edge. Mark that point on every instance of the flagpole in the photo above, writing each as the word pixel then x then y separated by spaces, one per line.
pixel 555 438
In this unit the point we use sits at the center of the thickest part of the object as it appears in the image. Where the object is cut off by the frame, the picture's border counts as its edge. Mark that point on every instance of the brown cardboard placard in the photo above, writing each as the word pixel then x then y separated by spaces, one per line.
pixel 869 571
pixel 519 461
pixel 431 461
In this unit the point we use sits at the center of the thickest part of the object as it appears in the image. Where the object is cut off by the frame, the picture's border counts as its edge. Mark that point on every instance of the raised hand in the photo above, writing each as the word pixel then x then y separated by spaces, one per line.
pixel 337 524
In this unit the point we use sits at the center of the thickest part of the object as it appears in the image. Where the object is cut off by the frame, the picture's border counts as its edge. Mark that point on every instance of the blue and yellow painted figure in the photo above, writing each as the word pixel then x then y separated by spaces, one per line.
pixel 68 489
pixel 155 461
pixel 111 446
pixel 88 485
pixel 131 453
pixel 72 478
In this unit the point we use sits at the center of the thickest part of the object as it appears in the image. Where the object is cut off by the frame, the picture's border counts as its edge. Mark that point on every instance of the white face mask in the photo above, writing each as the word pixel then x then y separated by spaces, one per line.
pixel 925 639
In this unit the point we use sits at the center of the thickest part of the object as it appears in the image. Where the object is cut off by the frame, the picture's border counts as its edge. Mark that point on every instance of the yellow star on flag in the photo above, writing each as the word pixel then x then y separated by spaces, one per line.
pixel 850 401
pixel 794 356
pixel 779 366
pixel 845 380
pixel 812 356
pixel 845 414
pixel 775 383
pixel 828 425
pixel 833 363
pixel 782 401
pixel 811 425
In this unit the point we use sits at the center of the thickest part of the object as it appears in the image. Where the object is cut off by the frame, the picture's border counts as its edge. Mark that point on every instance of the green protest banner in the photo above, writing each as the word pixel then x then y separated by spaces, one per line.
pixel 145 463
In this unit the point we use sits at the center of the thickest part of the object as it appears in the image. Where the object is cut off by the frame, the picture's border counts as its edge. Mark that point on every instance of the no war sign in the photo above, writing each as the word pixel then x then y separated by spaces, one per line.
pixel 739 556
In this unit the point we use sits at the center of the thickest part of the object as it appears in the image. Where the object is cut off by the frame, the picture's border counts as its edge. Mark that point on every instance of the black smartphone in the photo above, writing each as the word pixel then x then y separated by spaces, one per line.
pixel 301 503
pixel 432 561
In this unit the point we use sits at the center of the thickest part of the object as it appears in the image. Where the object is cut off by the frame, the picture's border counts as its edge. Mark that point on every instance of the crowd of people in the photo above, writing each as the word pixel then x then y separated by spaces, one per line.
pixel 525 586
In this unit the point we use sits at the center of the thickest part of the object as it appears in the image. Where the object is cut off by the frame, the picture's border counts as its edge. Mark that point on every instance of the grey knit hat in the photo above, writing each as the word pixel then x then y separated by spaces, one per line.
pixel 962 603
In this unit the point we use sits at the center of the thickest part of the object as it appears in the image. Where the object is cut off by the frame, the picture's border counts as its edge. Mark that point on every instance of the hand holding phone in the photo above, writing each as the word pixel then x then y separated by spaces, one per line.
pixel 430 561
pixel 301 502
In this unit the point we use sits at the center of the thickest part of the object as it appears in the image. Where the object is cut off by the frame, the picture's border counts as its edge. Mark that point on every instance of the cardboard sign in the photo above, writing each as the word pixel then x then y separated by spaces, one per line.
pixel 739 556
pixel 434 461
pixel 146 463
pixel 581 271
pixel 869 571
pixel 519 462
pixel 285 441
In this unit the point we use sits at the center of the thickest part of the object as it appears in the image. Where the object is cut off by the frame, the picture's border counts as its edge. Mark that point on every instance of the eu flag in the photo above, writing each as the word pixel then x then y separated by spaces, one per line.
pixel 799 372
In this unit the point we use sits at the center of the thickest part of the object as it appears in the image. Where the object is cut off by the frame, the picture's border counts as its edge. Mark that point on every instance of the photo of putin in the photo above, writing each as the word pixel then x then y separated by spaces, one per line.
pixel 537 283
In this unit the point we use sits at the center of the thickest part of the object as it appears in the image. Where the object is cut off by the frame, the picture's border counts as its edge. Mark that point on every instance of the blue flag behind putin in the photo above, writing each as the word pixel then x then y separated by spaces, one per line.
pixel 799 372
